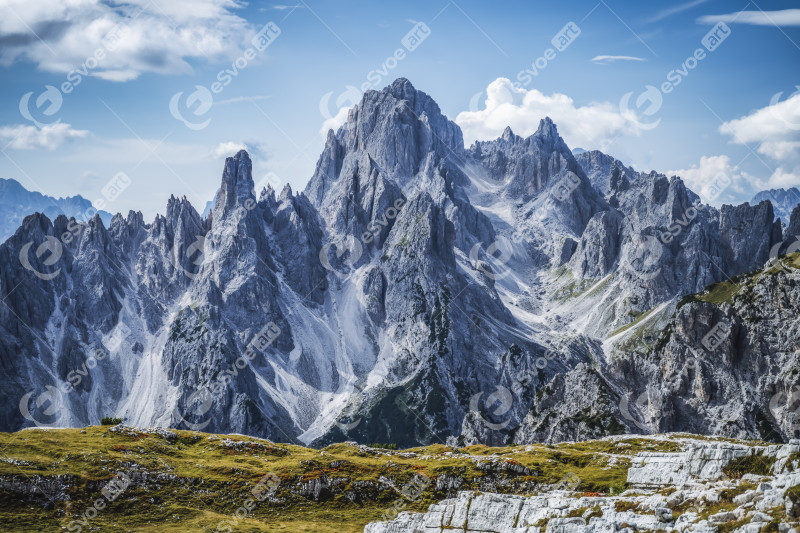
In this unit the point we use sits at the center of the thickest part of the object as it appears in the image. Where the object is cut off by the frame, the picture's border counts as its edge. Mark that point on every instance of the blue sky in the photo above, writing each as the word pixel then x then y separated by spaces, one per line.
pixel 735 112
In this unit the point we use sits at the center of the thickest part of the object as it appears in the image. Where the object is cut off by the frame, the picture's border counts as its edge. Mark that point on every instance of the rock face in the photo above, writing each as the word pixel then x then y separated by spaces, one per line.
pixel 695 478
pixel 608 176
pixel 414 292
pixel 698 461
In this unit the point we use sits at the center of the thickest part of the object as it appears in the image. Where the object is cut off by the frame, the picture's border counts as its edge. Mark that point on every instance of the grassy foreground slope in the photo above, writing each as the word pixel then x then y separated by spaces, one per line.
pixel 125 479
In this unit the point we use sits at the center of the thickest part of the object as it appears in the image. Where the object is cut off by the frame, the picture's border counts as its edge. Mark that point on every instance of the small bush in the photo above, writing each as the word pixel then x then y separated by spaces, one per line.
pixel 383 446
pixel 617 487
pixel 793 458
pixel 749 464
pixel 622 506
pixel 793 493
pixel 110 421
pixel 597 512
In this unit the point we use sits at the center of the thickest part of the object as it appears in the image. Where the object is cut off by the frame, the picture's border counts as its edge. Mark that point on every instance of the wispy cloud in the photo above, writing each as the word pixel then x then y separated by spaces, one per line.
pixel 605 60
pixel 239 99
pixel 22 137
pixel 665 13
pixel 284 7
pixel 783 17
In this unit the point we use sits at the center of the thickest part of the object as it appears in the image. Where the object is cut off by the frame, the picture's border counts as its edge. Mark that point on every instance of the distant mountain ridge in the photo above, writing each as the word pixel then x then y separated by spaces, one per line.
pixel 783 201
pixel 17 202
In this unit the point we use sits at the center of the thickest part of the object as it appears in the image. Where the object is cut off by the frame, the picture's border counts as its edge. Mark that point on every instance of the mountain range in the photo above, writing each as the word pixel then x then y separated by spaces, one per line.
pixel 415 292
pixel 783 201
pixel 16 202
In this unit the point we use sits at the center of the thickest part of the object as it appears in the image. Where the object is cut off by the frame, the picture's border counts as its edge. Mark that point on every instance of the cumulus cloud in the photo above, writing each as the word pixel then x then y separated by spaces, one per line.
pixel 605 60
pixel 591 126
pixel 229 148
pixel 23 137
pixel 782 178
pixel 775 127
pixel 715 179
pixel 781 17
pixel 117 41
pixel 335 122
pixel 780 150
pixel 776 130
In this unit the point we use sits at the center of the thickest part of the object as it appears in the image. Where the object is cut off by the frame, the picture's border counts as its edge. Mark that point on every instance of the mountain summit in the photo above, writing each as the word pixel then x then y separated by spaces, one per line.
pixel 416 291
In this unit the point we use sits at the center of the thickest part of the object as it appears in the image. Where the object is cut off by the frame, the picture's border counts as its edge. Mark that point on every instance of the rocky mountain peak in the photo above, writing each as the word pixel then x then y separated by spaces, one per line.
pixel 394 133
pixel 176 206
pixel 508 135
pixel 402 89
pixel 95 234
pixel 286 193
pixel 547 128
pixel 399 126
pixel 237 184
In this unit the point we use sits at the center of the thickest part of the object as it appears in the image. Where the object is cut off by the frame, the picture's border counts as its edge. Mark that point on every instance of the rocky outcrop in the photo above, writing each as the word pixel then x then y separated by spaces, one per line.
pixel 721 367
pixel 793 229
pixel 697 485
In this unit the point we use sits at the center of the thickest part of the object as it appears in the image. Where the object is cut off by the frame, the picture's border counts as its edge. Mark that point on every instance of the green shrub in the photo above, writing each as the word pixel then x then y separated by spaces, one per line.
pixel 383 446
pixel 749 464
pixel 622 506
pixel 793 493
pixel 110 421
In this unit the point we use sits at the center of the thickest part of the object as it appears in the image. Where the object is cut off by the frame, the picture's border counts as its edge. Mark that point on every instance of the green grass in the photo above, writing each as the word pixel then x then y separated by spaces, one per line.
pixel 207 481
pixel 740 286
pixel 568 288
pixel 639 319
pixel 196 480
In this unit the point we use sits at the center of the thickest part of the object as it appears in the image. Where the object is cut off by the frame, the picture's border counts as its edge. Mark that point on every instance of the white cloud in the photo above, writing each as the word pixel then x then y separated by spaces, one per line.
pixel 776 130
pixel 715 179
pixel 24 137
pixel 594 125
pixel 780 150
pixel 229 148
pixel 604 60
pixel 334 123
pixel 776 121
pixel 133 36
pixel 781 179
pixel 782 17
